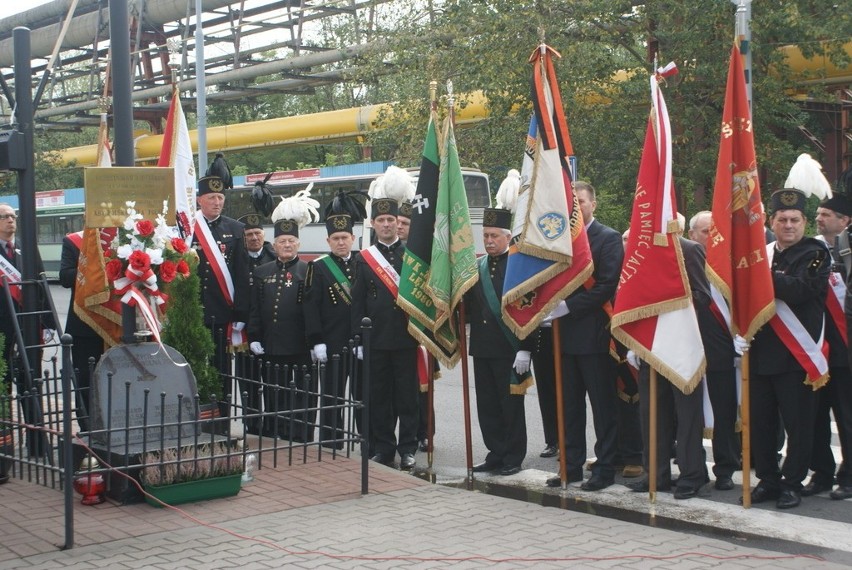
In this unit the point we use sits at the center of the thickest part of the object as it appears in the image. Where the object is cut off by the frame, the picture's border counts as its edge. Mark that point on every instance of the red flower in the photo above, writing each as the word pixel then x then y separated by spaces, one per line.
pixel 179 245
pixel 114 269
pixel 183 268
pixel 140 261
pixel 144 228
pixel 168 271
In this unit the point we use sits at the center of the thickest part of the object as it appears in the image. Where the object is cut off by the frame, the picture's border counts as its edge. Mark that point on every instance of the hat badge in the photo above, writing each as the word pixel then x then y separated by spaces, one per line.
pixel 383 206
pixel 489 218
pixel 340 223
pixel 789 198
pixel 216 184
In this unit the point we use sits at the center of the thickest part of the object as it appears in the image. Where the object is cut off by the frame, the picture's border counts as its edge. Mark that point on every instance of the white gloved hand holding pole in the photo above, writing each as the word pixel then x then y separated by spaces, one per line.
pixel 632 359
pixel 321 352
pixel 358 351
pixel 740 345
pixel 256 348
pixel 238 326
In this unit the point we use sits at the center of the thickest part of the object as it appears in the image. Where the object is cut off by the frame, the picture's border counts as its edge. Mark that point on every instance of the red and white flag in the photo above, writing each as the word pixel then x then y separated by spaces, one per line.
pixel 653 313
pixel 736 260
pixel 177 152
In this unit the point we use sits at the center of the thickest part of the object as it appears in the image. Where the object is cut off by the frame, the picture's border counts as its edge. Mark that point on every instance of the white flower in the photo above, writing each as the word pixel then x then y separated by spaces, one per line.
pixel 156 255
pixel 124 251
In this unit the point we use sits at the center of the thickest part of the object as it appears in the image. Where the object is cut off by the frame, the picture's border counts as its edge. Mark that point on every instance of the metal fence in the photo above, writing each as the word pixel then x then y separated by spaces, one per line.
pixel 275 415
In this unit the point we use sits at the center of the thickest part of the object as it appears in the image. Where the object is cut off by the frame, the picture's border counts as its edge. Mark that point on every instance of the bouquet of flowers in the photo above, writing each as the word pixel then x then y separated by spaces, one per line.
pixel 147 256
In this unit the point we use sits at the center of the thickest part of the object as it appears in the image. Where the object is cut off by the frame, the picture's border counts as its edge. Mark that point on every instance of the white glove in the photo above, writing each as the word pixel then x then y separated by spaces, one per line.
pixel 48 336
pixel 256 348
pixel 559 311
pixel 632 359
pixel 239 326
pixel 522 362
pixel 358 351
pixel 740 345
pixel 313 356
pixel 321 352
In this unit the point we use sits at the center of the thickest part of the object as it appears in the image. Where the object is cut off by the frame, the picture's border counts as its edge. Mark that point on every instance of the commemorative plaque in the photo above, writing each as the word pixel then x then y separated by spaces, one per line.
pixel 108 189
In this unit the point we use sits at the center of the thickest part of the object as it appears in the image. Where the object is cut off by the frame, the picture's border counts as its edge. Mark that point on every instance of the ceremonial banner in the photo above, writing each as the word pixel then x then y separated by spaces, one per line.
pixel 453 269
pixel 93 302
pixel 653 313
pixel 549 256
pixel 177 153
pixel 414 297
pixel 736 263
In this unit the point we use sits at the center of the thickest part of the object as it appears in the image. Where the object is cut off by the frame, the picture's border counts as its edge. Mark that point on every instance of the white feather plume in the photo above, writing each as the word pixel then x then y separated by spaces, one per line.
pixel 377 188
pixel 806 175
pixel 300 208
pixel 507 194
pixel 398 184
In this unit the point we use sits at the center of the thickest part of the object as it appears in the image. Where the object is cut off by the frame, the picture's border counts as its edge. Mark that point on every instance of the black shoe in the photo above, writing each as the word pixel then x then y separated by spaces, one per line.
pixel 549 451
pixel 815 487
pixel 384 459
pixel 642 486
pixel 723 483
pixel 596 483
pixel 423 445
pixel 407 461
pixel 761 494
pixel 788 499
pixel 557 480
pixel 683 493
pixel 510 470
pixel 487 467
pixel 842 492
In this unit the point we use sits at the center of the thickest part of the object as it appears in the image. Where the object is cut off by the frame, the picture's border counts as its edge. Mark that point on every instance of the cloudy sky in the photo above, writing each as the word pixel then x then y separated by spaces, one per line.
pixel 9 7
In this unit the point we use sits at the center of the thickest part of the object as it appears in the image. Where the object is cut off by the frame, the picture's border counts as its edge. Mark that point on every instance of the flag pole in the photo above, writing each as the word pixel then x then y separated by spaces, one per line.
pixel 430 406
pixel 560 407
pixel 652 436
pixel 745 415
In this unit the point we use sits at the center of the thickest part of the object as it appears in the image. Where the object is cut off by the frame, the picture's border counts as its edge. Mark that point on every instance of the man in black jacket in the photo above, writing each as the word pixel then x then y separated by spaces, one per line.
pixel 501 364
pixel 587 367
pixel 393 351
pixel 800 270
pixel 224 273
pixel 328 317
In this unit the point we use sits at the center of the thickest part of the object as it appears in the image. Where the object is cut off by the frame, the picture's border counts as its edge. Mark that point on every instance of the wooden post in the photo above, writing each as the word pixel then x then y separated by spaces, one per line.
pixel 745 414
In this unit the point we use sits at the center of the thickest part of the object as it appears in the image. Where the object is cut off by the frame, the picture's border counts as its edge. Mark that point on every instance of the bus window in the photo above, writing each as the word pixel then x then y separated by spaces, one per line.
pixel 478 193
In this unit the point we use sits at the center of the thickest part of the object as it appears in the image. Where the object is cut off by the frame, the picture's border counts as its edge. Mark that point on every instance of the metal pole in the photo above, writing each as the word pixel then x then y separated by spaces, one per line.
pixel 743 34
pixel 122 87
pixel 67 434
pixel 366 328
pixel 468 443
pixel 200 90
pixel 652 435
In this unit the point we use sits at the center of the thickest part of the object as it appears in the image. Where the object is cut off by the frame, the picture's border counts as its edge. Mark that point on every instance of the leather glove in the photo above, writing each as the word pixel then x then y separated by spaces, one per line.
pixel 740 345
pixel 321 352
pixel 522 362
pixel 632 359
pixel 238 326
pixel 559 311
pixel 256 348
pixel 358 351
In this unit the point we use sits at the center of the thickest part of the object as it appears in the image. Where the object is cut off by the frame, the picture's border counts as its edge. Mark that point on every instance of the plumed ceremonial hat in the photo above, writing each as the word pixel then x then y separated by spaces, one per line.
pixel 507 199
pixel 805 180
pixel 295 212
pixel 497 218
pixel 251 221
pixel 338 223
pixel 210 185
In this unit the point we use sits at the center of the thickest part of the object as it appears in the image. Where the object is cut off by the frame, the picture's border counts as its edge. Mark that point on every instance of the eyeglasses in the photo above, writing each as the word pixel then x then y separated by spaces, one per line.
pixel 8 216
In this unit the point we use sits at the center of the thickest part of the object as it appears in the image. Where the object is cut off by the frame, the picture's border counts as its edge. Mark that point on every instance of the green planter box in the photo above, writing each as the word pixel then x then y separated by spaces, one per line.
pixel 200 490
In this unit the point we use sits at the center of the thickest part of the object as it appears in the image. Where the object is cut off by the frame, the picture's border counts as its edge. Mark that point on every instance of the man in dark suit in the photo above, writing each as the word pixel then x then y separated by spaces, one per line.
pixel 276 330
pixel 328 317
pixel 680 417
pixel 800 271
pixel 220 244
pixel 88 344
pixel 587 367
pixel 393 351
pixel 501 364
pixel 259 250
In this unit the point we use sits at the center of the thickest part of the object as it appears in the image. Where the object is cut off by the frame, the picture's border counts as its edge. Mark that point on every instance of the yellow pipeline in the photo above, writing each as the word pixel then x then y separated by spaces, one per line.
pixel 817 69
pixel 316 128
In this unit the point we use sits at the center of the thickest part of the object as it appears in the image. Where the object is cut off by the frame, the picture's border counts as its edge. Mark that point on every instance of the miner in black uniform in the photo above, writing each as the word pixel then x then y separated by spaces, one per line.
pixel 276 332
pixel 800 270
pixel 501 363
pixel 259 250
pixel 225 306
pixel 247 368
pixel 393 354
pixel 328 317
pixel 832 218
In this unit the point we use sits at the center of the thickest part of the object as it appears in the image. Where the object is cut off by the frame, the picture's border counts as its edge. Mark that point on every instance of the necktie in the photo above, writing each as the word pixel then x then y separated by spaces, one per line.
pixel 10 251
